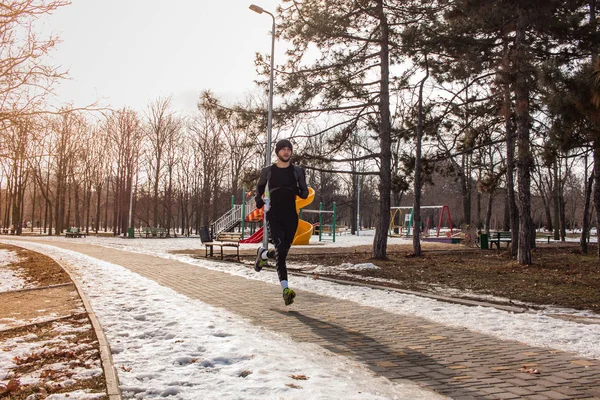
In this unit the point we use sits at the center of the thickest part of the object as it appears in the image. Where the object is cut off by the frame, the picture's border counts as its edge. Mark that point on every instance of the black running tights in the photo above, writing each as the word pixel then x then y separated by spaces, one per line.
pixel 282 232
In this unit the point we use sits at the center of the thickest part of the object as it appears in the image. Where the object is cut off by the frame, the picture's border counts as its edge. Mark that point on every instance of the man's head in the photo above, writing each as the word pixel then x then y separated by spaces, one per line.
pixel 283 150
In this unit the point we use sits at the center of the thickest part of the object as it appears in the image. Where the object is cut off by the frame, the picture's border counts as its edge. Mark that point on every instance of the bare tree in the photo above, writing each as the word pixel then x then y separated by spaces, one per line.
pixel 208 148
pixel 161 126
pixel 25 78
pixel 126 136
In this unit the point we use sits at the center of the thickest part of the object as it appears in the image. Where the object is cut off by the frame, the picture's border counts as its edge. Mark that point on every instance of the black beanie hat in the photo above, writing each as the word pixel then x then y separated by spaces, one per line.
pixel 281 144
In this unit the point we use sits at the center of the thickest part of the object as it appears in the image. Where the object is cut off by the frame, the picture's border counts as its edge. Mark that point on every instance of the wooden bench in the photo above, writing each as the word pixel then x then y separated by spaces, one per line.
pixel 499 237
pixel 74 233
pixel 226 239
pixel 341 229
pixel 154 232
pixel 229 237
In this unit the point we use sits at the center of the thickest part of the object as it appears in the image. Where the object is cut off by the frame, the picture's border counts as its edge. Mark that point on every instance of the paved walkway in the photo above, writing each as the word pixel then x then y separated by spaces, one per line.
pixel 451 361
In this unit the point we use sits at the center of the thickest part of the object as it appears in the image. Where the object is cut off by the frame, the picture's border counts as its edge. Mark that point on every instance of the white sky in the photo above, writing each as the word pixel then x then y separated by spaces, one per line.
pixel 130 52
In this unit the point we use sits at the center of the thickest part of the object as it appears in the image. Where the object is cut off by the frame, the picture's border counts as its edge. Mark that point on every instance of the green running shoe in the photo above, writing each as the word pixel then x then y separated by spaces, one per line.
pixel 288 296
pixel 260 262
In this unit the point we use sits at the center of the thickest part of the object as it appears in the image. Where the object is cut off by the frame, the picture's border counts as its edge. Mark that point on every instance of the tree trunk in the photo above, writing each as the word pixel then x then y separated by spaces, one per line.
pixel 585 223
pixel 155 192
pixel 98 201
pixel 547 212
pixel 48 210
pixel 88 204
pixel 418 176
pixel 33 204
pixel 118 186
pixel 60 199
pixel 488 213
pixel 169 202
pixel 76 206
pixel 385 141
pixel 106 204
pixel 513 213
pixel 524 157
pixel 596 144
pixel 479 218
pixel 465 184
pixel 9 201
pixel 353 207
pixel 556 201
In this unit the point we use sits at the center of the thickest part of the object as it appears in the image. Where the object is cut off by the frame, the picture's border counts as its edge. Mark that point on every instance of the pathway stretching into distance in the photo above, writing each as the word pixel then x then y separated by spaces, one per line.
pixel 451 361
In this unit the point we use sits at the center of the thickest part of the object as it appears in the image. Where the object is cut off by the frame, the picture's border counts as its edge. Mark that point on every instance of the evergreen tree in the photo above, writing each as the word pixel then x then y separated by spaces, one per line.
pixel 350 79
pixel 511 38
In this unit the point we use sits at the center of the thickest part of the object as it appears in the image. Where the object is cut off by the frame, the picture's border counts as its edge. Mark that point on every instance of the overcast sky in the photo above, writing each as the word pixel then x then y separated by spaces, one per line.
pixel 130 52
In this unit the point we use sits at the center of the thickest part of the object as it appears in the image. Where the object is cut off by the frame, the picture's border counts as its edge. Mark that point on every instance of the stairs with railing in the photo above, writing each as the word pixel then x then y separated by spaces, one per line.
pixel 232 218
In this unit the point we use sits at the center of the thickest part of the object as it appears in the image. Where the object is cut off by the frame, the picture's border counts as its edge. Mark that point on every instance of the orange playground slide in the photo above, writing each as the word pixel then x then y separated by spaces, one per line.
pixel 303 232
pixel 305 229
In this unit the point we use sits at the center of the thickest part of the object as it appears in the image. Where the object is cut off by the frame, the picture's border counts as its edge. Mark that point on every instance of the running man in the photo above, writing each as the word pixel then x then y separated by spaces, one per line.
pixel 285 182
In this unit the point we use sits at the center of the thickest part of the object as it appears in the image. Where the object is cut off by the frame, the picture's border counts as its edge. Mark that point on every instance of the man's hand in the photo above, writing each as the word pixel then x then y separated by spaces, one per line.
pixel 259 202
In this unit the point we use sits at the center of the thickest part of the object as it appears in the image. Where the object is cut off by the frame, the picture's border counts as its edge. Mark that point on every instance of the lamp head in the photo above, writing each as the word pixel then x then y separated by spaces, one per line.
pixel 256 9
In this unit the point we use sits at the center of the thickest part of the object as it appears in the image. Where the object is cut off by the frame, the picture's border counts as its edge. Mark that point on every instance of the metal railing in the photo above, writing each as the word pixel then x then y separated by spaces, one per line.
pixel 232 217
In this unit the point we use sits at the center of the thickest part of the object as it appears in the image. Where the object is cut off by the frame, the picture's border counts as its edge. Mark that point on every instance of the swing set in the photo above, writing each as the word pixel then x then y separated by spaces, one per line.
pixel 401 220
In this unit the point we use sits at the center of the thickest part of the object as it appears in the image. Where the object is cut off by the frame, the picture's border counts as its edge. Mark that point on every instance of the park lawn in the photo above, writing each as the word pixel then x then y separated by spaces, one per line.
pixel 560 275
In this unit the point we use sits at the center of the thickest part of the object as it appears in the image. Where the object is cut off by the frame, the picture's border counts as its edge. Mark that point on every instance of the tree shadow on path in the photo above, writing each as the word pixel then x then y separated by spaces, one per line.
pixel 397 364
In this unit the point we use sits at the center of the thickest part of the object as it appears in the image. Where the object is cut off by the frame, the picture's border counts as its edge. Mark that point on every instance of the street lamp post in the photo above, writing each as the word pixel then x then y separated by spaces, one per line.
pixel 358 205
pixel 260 10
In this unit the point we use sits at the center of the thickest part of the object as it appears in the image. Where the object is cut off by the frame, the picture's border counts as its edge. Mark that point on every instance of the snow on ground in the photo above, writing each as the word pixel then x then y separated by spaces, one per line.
pixel 29 346
pixel 189 349
pixel 542 329
pixel 9 279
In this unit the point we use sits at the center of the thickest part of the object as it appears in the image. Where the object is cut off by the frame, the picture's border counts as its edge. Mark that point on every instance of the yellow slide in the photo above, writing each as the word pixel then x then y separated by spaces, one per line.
pixel 305 229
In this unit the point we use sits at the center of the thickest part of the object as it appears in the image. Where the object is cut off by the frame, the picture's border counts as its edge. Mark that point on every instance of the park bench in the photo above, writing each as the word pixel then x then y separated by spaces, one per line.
pixel 74 233
pixel 500 237
pixel 154 232
pixel 225 239
pixel 341 229
pixel 233 237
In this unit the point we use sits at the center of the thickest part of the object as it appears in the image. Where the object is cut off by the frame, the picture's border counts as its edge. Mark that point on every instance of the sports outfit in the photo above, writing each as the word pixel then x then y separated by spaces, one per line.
pixel 282 219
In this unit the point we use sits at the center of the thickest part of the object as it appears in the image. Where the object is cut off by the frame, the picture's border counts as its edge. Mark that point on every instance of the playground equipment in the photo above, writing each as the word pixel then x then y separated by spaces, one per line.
pixel 305 229
pixel 303 232
pixel 406 219
pixel 331 228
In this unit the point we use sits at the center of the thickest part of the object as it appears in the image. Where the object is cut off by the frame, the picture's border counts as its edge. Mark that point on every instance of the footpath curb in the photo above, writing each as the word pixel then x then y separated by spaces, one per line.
pixel 110 373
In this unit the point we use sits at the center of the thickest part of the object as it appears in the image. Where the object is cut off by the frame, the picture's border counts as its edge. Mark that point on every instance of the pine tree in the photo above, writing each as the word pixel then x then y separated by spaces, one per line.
pixel 511 38
pixel 350 79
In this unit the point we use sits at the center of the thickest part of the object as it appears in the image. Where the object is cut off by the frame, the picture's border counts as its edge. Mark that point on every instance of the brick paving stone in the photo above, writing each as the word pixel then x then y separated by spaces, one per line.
pixel 556 395
pixel 571 392
pixel 520 391
pixel 400 347
pixel 506 396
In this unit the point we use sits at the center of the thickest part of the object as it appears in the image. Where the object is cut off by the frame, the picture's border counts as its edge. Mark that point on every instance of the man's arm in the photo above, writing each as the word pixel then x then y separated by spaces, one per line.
pixel 302 187
pixel 260 187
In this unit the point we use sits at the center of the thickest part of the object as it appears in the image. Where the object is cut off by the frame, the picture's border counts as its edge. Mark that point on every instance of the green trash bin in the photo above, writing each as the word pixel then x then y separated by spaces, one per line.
pixel 130 233
pixel 483 241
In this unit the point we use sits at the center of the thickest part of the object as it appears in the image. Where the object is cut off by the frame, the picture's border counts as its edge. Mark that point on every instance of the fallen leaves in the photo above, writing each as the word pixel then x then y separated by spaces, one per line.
pixel 12 386
pixel 299 377
pixel 533 371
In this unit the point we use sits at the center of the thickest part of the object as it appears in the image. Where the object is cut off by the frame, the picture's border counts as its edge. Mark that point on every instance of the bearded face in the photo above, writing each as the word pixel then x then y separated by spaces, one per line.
pixel 284 154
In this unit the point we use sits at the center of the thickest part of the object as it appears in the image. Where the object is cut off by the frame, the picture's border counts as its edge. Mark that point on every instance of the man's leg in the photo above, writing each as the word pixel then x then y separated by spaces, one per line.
pixel 283 233
pixel 283 236
pixel 263 254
